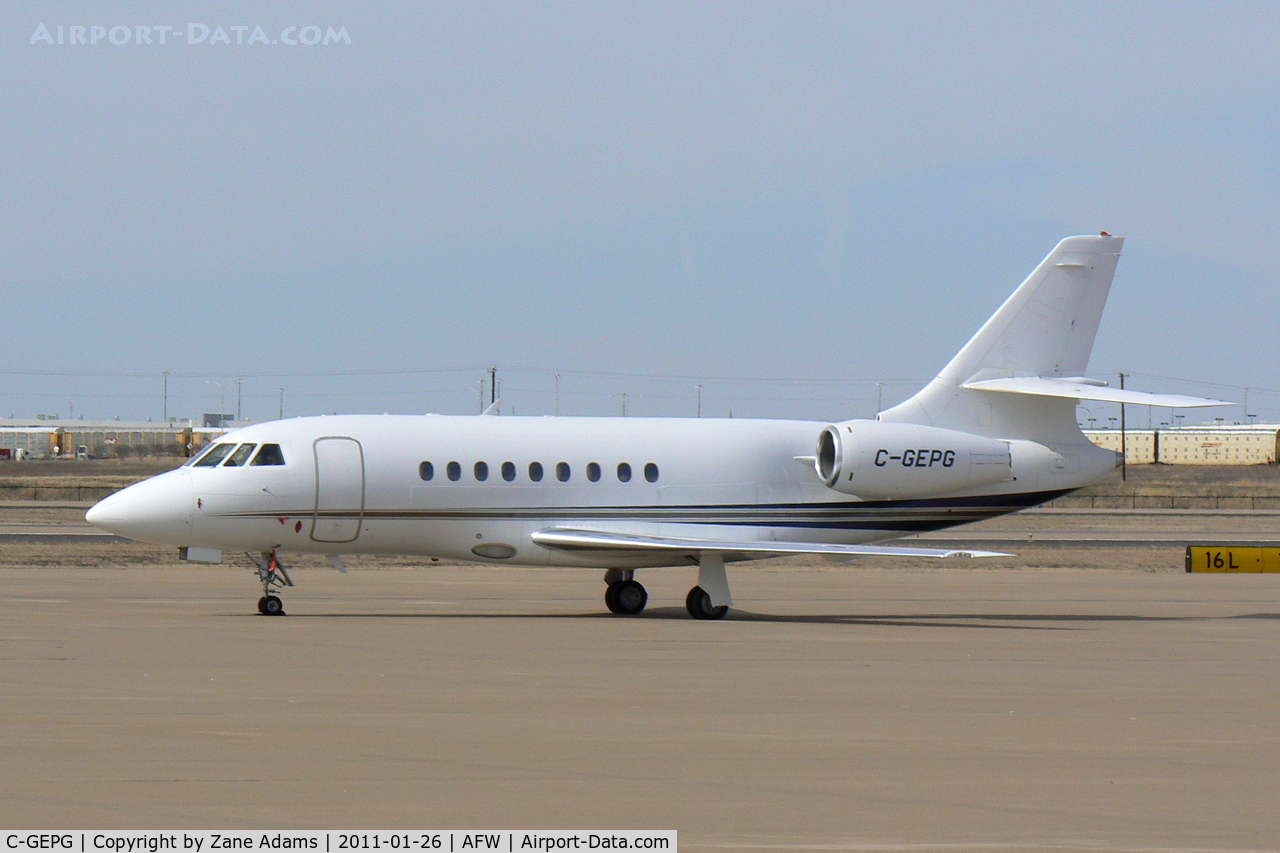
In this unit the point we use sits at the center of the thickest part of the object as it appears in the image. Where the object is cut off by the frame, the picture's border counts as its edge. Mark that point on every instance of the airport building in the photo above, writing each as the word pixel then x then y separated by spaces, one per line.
pixel 1228 444
pixel 1139 444
pixel 46 439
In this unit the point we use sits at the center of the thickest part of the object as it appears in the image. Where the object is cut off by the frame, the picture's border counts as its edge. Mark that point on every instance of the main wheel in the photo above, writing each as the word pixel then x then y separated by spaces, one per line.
pixel 631 598
pixel 272 606
pixel 698 603
pixel 262 605
pixel 611 597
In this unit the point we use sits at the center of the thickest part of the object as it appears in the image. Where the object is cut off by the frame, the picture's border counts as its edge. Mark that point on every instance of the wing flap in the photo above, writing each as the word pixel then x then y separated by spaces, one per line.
pixel 569 539
pixel 1079 388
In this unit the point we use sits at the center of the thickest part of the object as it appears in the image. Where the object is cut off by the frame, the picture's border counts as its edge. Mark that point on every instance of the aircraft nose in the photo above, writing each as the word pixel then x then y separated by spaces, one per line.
pixel 155 510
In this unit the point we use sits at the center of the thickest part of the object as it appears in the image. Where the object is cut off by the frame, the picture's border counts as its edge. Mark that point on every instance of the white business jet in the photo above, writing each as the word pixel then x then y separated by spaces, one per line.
pixel 995 432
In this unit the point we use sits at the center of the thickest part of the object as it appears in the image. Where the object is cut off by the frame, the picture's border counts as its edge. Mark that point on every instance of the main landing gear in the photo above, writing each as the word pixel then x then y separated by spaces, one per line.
pixel 698 603
pixel 272 574
pixel 710 599
pixel 624 595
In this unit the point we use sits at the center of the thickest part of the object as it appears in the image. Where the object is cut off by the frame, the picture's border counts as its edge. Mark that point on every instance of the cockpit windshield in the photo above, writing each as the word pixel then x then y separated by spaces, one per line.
pixel 212 456
pixel 240 456
pixel 269 455
pixel 231 455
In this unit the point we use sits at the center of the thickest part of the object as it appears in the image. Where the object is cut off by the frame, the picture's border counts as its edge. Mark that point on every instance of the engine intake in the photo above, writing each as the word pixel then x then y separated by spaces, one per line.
pixel 873 459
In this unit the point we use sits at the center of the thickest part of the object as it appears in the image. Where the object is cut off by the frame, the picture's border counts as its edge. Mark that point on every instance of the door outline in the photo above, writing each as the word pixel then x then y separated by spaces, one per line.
pixel 315 516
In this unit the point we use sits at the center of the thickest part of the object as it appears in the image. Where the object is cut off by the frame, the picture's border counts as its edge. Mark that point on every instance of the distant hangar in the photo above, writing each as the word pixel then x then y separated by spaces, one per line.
pixel 1229 444
pixel 47 439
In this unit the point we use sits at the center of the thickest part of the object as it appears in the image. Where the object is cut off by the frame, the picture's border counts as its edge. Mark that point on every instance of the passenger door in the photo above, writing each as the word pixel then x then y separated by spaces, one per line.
pixel 339 489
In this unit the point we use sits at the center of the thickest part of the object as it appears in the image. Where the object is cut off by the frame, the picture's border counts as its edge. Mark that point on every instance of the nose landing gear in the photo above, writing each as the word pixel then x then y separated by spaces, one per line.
pixel 272 573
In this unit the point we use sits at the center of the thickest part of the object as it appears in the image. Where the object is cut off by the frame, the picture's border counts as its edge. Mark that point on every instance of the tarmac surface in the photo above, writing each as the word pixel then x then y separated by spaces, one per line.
pixel 1070 698
pixel 63 521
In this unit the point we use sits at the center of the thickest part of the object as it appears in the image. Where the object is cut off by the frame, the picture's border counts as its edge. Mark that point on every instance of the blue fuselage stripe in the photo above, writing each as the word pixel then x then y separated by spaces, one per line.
pixel 907 516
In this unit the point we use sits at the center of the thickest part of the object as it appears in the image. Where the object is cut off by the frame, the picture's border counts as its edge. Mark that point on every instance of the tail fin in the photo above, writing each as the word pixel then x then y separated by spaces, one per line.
pixel 1045 329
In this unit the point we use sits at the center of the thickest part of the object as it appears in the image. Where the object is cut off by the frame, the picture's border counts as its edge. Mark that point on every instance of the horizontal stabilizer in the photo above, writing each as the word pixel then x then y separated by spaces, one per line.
pixel 568 539
pixel 1079 388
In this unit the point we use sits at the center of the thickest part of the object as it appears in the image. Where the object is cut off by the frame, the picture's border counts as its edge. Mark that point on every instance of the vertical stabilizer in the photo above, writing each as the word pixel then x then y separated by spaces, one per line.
pixel 1045 329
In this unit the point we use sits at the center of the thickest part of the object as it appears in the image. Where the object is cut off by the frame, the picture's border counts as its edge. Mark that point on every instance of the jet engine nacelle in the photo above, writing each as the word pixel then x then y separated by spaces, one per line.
pixel 872 459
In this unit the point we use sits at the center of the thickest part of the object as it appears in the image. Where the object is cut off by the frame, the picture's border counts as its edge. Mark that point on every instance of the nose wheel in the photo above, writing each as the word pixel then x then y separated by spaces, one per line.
pixel 273 575
pixel 271 605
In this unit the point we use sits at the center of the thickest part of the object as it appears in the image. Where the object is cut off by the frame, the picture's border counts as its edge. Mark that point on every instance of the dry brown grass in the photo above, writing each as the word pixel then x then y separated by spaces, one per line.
pixel 1183 487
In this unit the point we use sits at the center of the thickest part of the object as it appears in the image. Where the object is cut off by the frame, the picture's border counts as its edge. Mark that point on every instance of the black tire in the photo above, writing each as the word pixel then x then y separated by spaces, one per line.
pixel 698 603
pixel 631 598
pixel 611 597
pixel 272 606
pixel 262 605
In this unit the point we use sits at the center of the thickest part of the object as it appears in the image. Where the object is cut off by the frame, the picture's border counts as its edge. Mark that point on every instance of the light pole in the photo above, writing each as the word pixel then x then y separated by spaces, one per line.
pixel 699 401
pixel 166 396
pixel 238 381
pixel 281 390
pixel 557 393
pixel 222 401
pixel 1124 454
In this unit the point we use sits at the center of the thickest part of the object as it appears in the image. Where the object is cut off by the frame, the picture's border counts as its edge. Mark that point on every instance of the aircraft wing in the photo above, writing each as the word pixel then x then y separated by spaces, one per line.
pixel 1088 389
pixel 570 539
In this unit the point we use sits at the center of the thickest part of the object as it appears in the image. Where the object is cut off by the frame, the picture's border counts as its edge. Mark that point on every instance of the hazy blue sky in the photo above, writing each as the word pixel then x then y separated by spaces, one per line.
pixel 785 203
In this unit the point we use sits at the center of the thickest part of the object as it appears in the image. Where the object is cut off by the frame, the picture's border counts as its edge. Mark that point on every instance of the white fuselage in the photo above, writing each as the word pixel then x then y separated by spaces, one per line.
pixel 355 484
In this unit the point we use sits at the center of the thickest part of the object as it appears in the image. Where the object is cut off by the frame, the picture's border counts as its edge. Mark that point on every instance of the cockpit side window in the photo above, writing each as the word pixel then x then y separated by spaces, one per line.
pixel 269 455
pixel 213 456
pixel 240 456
